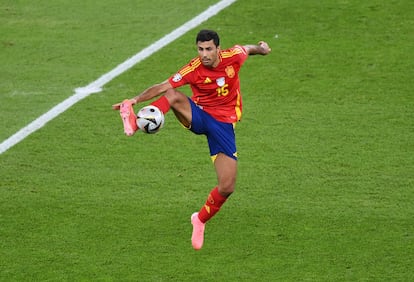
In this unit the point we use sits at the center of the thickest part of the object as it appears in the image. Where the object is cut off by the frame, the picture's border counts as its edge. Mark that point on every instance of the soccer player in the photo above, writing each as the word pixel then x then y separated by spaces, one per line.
pixel 212 110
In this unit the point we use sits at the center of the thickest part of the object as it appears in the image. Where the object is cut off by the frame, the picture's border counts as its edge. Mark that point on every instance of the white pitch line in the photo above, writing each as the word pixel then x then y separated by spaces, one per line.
pixel 96 86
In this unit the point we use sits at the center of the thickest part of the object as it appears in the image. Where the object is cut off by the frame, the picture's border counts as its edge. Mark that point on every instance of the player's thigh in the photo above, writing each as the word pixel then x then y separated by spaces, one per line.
pixel 226 169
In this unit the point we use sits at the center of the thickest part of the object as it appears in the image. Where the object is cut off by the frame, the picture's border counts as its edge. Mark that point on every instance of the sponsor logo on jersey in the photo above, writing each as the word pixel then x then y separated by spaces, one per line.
pixel 221 81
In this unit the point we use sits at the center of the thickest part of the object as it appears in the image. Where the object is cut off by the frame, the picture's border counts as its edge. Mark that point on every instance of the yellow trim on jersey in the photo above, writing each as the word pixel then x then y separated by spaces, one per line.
pixel 232 52
pixel 190 68
pixel 237 108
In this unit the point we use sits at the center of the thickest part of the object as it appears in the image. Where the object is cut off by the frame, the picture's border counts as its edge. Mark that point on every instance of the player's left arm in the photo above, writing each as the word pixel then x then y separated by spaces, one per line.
pixel 262 48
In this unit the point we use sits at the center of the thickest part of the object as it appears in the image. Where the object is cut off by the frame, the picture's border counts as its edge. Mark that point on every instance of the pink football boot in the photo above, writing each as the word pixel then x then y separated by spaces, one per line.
pixel 128 117
pixel 197 237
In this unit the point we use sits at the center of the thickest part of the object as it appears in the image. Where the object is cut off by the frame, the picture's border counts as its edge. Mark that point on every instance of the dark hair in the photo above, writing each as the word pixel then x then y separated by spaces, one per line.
pixel 207 35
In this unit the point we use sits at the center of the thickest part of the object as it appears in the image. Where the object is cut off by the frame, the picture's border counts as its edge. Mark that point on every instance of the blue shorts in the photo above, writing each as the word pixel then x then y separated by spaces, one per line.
pixel 220 135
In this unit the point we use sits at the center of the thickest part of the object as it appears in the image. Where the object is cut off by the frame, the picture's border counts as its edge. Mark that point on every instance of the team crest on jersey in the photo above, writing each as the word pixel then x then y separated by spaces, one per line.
pixel 177 77
pixel 221 81
pixel 230 71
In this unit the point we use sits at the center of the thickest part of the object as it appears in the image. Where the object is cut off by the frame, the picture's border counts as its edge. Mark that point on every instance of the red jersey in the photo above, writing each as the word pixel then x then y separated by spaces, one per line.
pixel 215 90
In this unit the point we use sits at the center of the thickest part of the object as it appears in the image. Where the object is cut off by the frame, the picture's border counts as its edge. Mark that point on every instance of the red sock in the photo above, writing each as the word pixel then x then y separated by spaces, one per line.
pixel 162 104
pixel 214 201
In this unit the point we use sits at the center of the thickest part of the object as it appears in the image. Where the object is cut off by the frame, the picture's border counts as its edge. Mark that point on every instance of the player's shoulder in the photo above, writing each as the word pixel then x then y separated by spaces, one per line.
pixel 191 66
pixel 234 51
pixel 195 62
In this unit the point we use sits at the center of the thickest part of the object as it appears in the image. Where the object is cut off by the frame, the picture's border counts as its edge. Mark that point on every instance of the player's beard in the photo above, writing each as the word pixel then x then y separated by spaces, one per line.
pixel 209 62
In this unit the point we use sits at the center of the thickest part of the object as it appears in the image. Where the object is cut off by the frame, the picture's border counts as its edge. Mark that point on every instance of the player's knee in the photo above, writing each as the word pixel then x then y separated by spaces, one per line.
pixel 225 188
pixel 174 97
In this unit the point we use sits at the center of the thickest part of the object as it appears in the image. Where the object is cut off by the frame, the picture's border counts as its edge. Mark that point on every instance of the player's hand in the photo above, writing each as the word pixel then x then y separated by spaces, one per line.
pixel 265 47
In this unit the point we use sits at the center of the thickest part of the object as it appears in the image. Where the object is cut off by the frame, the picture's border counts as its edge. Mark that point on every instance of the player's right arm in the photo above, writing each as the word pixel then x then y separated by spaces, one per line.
pixel 148 94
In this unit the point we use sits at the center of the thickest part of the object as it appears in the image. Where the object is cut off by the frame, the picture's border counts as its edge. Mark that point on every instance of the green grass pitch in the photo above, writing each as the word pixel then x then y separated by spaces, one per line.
pixel 325 188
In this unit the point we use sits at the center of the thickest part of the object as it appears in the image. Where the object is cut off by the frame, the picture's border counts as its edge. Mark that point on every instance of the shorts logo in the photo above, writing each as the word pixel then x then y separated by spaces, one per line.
pixel 221 81
pixel 177 77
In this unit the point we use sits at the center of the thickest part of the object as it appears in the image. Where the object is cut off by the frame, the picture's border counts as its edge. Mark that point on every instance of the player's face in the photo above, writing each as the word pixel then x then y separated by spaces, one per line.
pixel 208 53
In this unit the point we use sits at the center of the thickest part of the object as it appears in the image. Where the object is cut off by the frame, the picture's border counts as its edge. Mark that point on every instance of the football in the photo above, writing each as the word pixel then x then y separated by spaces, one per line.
pixel 150 119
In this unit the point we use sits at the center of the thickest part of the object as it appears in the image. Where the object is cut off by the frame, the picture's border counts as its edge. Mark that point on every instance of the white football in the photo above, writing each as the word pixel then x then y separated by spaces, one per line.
pixel 150 119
